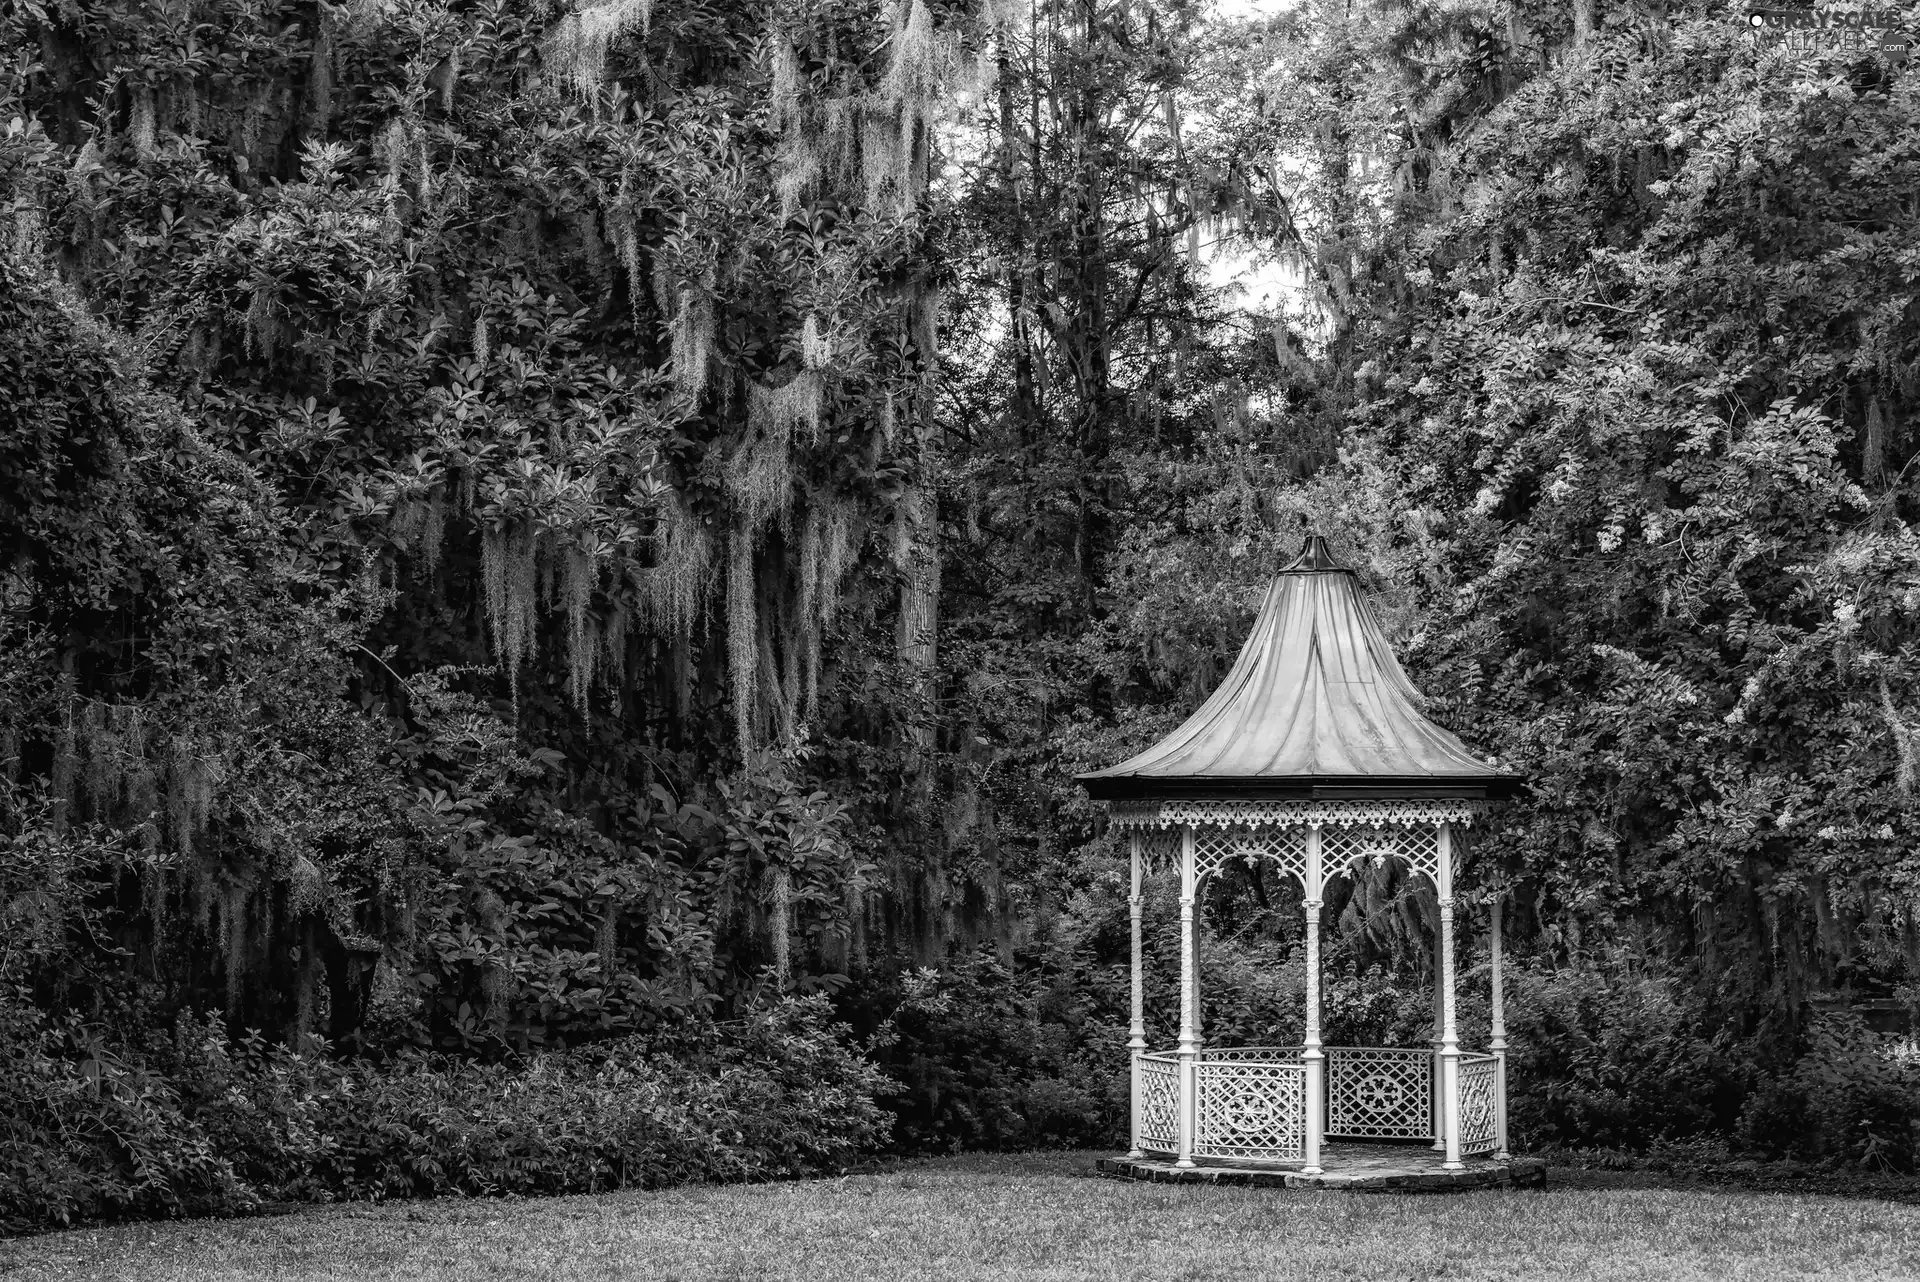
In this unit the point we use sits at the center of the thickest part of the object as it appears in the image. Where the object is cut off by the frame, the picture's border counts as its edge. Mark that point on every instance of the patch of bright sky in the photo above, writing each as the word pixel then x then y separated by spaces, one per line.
pixel 1263 286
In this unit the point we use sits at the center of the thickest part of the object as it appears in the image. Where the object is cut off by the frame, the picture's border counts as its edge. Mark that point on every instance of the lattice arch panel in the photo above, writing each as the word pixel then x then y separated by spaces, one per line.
pixel 1343 848
pixel 1214 848
pixel 1160 847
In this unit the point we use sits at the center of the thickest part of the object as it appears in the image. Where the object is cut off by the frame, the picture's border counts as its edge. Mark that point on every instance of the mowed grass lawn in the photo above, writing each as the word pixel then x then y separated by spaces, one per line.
pixel 1014 1219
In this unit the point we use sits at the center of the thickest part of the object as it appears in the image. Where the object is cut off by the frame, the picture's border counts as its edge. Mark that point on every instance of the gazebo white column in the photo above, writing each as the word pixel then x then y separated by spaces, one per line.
pixel 1436 1041
pixel 1497 1042
pixel 1189 1035
pixel 1449 1036
pixel 1193 968
pixel 1137 1028
pixel 1314 1058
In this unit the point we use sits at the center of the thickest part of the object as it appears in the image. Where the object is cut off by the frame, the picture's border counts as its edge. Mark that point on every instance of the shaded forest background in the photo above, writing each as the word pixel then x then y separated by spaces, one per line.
pixel 556 565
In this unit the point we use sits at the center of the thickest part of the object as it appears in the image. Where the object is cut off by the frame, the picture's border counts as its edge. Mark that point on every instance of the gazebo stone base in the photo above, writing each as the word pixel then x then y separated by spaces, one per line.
pixel 1357 1167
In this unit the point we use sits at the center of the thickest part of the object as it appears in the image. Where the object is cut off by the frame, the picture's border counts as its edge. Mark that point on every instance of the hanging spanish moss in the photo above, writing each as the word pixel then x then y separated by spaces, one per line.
pixel 391 151
pixel 759 473
pixel 773 412
pixel 1002 13
pixel 784 74
pixel 827 552
pixel 578 575
pixel 190 780
pixel 797 169
pixel 423 170
pixel 913 72
pixel 759 479
pixel 816 347
pixel 405 521
pixel 883 162
pixel 1903 736
pixel 925 62
pixel 743 646
pixel 625 237
pixel 508 577
pixel 579 43
pixel 593 248
pixel 674 589
pixel 692 335
pixel 840 120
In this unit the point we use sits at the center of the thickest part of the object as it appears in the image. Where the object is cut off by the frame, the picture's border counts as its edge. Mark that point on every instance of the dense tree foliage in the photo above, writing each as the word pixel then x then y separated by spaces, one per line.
pixel 536 528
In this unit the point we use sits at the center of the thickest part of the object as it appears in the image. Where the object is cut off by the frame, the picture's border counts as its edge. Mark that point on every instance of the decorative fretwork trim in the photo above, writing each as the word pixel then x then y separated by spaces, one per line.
pixel 1345 814
pixel 1342 849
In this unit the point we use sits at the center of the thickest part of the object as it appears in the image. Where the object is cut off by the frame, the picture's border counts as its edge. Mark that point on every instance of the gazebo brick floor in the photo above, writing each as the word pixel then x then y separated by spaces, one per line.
pixel 1356 1167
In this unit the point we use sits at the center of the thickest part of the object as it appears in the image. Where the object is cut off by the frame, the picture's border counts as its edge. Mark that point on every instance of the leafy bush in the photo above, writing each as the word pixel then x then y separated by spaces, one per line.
pixel 210 1125
pixel 1611 1057
pixel 85 1134
pixel 992 1057
pixel 1846 1101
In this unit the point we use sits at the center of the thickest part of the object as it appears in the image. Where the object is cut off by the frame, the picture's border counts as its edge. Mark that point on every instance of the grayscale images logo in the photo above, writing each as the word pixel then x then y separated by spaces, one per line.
pixel 1811 30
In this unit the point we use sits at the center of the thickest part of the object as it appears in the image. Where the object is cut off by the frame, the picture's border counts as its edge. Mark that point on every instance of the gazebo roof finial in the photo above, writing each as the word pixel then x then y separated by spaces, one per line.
pixel 1314 555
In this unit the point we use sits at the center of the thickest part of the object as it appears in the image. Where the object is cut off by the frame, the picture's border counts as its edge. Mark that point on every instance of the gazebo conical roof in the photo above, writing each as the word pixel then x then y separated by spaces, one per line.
pixel 1317 706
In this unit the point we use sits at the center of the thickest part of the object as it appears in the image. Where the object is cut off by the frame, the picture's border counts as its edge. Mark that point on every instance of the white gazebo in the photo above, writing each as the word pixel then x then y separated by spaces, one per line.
pixel 1312 754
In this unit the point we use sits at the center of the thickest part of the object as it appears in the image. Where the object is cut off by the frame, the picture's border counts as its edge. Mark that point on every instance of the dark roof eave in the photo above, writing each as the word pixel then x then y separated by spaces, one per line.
pixel 1299 788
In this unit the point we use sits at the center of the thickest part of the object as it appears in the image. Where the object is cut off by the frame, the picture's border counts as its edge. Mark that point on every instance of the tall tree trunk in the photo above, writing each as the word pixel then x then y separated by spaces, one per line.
pixel 918 550
pixel 1088 334
pixel 1026 401
pixel 921 885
